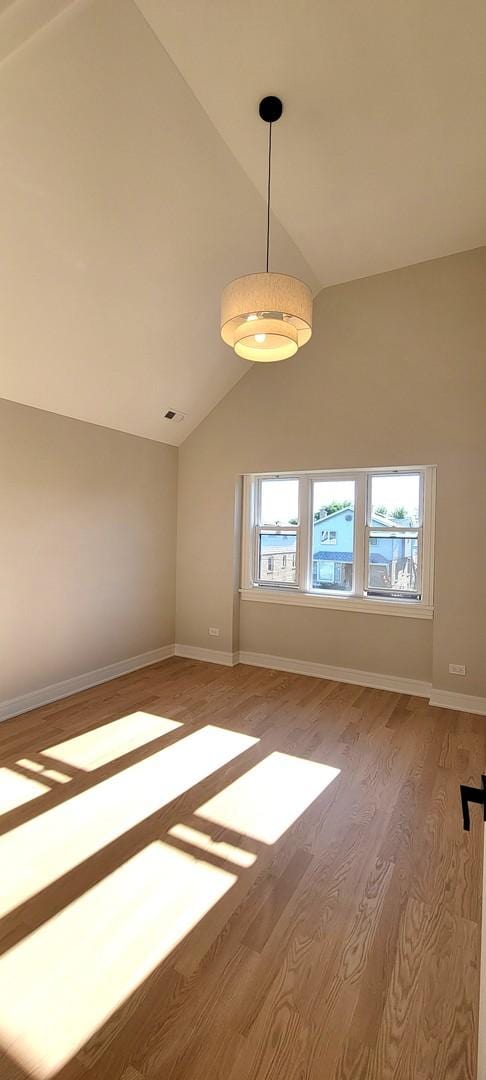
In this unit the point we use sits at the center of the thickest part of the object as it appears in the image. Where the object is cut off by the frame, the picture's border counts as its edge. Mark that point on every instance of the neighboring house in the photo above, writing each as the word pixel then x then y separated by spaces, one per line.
pixel 277 558
pixel 392 560
pixel 332 551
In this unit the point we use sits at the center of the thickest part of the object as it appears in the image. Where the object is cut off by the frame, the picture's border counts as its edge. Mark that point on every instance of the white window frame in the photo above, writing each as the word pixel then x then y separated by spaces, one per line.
pixel 260 527
pixel 302 592
pixel 329 533
pixel 401 530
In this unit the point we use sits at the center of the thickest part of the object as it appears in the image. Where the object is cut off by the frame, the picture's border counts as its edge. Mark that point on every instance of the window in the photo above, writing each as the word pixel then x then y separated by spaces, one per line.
pixel 333 502
pixel 394 527
pixel 363 536
pixel 278 530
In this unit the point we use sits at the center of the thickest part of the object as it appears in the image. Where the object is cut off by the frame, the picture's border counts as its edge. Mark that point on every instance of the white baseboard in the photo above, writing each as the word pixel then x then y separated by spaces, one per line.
pixel 448 699
pixel 339 674
pixel 212 656
pixel 63 689
pixel 445 699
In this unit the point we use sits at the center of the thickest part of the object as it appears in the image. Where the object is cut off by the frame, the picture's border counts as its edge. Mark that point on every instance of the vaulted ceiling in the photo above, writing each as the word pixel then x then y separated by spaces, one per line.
pixel 133 178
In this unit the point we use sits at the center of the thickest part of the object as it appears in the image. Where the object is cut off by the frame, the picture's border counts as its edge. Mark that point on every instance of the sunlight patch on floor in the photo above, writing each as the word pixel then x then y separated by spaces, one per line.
pixel 110 741
pixel 267 800
pixel 60 984
pixel 54 774
pixel 42 850
pixel 201 840
pixel 15 789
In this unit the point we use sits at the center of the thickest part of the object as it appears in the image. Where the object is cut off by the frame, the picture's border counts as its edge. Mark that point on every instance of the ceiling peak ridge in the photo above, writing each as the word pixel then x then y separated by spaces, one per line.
pixel 311 273
pixel 23 20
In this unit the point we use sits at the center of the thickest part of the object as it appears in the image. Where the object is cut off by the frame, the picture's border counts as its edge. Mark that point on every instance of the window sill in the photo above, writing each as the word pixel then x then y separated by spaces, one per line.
pixel 408 609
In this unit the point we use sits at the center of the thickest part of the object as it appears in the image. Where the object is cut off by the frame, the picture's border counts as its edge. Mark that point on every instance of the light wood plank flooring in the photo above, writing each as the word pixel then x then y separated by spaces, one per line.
pixel 238 874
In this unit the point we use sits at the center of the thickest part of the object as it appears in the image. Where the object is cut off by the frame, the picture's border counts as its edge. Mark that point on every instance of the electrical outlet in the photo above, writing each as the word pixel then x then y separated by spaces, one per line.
pixel 213 631
pixel 457 669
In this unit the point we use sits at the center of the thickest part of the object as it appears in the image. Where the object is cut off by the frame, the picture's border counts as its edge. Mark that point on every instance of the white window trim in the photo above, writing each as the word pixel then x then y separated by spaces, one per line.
pixel 278 530
pixel 355 601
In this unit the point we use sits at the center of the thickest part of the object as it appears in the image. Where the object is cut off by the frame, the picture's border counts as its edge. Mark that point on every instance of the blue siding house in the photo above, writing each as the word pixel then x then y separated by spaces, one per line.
pixel 332 558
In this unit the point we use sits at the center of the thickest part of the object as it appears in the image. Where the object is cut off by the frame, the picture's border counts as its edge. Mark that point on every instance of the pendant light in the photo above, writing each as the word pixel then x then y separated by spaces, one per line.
pixel 266 316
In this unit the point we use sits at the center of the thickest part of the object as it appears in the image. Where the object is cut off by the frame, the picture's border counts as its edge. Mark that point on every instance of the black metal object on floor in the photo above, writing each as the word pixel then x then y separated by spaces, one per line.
pixel 472 794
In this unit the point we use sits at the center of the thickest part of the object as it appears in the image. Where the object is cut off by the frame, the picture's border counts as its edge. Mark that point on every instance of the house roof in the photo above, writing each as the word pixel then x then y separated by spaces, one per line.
pixel 347 557
pixel 391 523
pixel 277 545
pixel 335 513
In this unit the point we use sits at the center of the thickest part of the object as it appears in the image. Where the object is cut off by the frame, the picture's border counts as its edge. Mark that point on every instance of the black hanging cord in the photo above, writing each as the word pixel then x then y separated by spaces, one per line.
pixel 270 110
pixel 268 191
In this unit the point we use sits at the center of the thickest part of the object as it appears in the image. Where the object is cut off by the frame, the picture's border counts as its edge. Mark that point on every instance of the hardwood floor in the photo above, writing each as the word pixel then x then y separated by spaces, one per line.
pixel 259 876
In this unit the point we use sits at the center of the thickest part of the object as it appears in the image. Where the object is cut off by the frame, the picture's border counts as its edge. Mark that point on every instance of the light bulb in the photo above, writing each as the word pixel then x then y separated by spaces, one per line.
pixel 260 338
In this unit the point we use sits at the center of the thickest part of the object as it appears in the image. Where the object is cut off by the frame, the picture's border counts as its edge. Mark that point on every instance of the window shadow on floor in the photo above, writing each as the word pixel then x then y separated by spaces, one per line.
pixel 159 880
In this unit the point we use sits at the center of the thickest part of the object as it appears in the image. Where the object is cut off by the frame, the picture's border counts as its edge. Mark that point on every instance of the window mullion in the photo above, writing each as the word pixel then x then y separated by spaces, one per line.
pixel 360 516
pixel 257 497
pixel 428 531
pixel 256 552
pixel 305 509
pixel 420 561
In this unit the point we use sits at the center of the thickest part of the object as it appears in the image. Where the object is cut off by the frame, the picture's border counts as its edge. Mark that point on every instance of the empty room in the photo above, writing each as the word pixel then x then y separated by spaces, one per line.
pixel 242 542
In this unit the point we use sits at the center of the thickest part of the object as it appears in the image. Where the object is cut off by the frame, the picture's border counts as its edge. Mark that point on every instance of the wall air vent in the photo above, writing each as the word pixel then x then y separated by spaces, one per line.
pixel 175 416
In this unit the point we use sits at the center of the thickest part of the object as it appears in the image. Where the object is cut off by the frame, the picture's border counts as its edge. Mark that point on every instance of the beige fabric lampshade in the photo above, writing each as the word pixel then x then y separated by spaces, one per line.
pixel 266 317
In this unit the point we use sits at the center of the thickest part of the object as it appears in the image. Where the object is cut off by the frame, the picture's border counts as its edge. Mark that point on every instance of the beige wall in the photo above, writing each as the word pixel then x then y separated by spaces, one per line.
pixel 389 645
pixel 395 374
pixel 87 547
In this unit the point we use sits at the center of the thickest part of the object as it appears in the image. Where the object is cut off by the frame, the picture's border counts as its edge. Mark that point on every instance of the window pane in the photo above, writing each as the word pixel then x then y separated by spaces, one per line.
pixel 393 565
pixel 277 558
pixel 395 499
pixel 333 535
pixel 280 502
